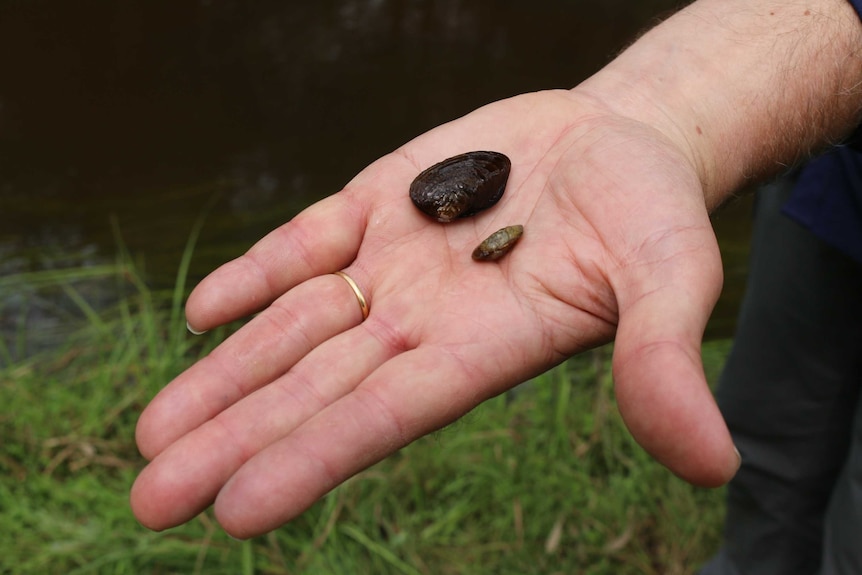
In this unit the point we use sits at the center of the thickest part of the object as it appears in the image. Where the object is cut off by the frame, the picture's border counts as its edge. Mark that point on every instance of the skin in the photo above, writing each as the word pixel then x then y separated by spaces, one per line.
pixel 614 180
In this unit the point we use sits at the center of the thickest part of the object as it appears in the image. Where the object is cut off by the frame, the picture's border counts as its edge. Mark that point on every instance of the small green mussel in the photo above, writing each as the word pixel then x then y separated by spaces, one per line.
pixel 498 244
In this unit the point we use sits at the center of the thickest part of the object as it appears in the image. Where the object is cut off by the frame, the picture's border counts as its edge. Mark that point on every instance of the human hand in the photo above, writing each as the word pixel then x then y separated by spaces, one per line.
pixel 617 244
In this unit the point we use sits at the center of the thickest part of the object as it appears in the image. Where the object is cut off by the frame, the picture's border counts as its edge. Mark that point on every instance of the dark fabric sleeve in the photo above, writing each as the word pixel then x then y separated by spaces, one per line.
pixel 827 199
pixel 857 4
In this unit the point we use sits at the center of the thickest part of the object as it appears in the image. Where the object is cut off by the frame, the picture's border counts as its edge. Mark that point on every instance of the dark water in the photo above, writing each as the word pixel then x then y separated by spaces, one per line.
pixel 146 110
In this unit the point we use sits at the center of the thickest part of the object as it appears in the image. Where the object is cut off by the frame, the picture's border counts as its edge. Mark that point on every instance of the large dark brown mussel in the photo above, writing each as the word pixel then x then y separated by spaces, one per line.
pixel 462 185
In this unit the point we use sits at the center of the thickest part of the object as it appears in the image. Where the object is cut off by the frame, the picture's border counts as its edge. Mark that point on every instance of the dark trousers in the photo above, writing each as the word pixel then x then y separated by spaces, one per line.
pixel 790 395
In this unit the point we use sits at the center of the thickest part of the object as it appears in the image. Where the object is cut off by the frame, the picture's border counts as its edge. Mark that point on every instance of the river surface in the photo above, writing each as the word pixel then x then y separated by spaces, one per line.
pixel 141 112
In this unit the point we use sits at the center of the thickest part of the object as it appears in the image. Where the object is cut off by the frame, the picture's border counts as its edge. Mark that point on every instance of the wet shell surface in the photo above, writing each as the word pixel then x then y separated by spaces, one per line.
pixel 462 185
pixel 498 244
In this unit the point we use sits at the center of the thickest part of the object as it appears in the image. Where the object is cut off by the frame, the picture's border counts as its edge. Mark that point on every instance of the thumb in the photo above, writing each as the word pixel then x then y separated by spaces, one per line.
pixel 660 384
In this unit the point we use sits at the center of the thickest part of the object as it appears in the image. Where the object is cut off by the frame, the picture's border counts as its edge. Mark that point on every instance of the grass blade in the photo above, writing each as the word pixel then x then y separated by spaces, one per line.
pixel 378 549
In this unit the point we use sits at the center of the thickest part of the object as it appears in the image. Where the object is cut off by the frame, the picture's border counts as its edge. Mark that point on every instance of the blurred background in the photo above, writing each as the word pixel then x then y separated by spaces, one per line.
pixel 143 112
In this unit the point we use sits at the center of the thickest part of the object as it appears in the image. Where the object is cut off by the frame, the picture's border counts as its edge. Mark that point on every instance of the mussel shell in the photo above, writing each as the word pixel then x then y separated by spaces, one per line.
pixel 498 244
pixel 461 185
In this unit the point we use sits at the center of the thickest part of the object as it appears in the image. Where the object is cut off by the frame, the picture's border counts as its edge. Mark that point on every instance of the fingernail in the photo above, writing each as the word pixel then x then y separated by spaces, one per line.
pixel 193 331
pixel 738 458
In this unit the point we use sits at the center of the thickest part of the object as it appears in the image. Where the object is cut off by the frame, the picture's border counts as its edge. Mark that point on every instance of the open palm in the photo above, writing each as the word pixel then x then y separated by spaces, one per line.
pixel 617 245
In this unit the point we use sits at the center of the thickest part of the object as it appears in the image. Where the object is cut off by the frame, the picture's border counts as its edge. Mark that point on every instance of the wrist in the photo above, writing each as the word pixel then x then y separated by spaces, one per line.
pixel 742 88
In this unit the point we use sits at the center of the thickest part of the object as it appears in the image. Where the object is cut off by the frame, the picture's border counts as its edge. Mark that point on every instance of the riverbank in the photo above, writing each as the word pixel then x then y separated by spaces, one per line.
pixel 542 481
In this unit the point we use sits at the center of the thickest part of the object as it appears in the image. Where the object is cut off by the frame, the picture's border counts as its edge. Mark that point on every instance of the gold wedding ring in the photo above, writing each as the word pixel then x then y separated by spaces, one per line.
pixel 363 303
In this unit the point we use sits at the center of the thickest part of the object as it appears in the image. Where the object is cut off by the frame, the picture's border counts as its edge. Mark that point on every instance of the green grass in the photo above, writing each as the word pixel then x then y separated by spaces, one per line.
pixel 546 480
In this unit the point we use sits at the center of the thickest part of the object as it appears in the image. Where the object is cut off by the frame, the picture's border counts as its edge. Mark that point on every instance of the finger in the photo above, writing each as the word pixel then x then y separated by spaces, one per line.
pixel 322 239
pixel 415 393
pixel 184 479
pixel 661 389
pixel 257 354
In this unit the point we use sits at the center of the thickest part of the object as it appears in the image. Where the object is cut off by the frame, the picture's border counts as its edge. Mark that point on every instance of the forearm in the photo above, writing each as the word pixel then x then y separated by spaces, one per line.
pixel 743 87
